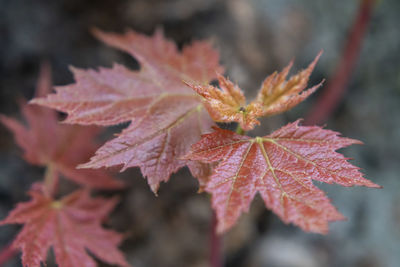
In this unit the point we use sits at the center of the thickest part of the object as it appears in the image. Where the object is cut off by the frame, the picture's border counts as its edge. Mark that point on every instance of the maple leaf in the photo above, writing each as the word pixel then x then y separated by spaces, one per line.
pixel 281 167
pixel 70 226
pixel 228 103
pixel 166 116
pixel 59 147
pixel 276 95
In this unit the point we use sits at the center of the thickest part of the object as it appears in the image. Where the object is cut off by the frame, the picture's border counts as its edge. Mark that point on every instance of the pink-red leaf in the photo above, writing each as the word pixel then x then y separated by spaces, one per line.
pixel 46 142
pixel 166 116
pixel 281 167
pixel 70 226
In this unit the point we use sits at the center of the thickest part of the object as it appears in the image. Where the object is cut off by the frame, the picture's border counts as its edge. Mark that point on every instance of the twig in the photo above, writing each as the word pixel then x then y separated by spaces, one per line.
pixel 336 88
pixel 215 244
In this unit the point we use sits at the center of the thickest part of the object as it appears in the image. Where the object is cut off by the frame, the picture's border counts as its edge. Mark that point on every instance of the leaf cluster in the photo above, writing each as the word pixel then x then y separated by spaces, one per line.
pixel 171 109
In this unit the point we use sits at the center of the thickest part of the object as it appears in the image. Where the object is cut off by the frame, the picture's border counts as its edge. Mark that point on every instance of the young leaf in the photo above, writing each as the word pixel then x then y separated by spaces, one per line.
pixel 59 147
pixel 228 103
pixel 276 95
pixel 166 116
pixel 71 226
pixel 281 167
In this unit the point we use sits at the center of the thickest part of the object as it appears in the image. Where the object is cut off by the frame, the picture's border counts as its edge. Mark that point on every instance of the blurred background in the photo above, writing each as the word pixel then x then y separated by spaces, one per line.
pixel 255 38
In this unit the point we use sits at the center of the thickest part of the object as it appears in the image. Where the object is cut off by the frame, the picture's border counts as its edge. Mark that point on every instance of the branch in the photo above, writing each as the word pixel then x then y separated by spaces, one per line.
pixel 336 88
pixel 215 244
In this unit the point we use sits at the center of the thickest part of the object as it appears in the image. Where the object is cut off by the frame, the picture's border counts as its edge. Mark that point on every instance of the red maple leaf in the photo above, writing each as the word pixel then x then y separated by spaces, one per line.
pixel 70 226
pixel 281 167
pixel 276 95
pixel 166 116
pixel 57 146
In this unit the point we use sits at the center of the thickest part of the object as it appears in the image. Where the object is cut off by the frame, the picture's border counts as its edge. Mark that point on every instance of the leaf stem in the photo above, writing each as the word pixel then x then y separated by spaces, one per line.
pixel 239 130
pixel 215 243
pixel 336 87
pixel 51 179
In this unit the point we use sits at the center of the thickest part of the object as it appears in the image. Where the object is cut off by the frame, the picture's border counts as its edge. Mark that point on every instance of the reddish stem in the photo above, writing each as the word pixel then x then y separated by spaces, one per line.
pixel 6 254
pixel 337 84
pixel 215 243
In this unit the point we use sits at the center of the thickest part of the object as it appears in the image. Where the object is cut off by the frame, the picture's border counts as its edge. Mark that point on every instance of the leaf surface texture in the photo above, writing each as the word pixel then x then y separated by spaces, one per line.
pixel 71 226
pixel 59 147
pixel 280 167
pixel 165 115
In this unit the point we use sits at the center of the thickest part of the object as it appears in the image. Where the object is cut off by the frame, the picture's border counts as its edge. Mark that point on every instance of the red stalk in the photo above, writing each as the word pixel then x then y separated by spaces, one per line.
pixel 215 243
pixel 336 88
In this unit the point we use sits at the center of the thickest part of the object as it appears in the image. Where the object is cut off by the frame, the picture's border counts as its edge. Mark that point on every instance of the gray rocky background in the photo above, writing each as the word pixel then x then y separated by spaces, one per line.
pixel 255 38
